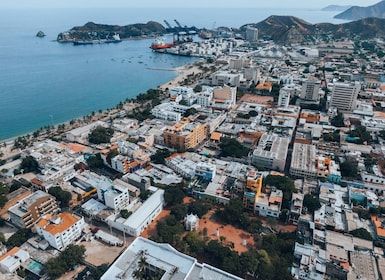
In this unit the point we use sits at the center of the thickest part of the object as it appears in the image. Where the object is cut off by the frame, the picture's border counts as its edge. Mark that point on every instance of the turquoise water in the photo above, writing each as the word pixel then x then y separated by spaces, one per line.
pixel 43 82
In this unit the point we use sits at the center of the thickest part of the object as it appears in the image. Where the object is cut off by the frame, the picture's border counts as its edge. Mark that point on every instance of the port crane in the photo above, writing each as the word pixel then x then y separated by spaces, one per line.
pixel 167 24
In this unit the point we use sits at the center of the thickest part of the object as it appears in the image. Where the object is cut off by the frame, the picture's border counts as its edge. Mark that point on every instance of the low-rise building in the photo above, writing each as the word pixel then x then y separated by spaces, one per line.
pixel 11 261
pixel 60 230
pixel 29 210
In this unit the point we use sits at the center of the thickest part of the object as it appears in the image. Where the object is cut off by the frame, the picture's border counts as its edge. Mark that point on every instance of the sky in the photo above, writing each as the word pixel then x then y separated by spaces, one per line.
pixel 180 3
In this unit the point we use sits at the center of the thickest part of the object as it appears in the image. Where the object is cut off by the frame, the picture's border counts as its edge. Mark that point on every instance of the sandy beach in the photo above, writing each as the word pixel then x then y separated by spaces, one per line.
pixel 183 73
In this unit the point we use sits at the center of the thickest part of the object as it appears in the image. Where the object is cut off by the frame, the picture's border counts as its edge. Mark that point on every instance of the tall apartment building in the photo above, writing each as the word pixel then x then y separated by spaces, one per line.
pixel 310 90
pixel 284 98
pixel 27 212
pixel 185 135
pixel 60 230
pixel 344 96
pixel 251 34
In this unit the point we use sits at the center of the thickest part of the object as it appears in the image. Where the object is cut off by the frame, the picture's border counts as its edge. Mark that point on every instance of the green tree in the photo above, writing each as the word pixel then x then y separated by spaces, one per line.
pixel 101 135
pixel 19 237
pixel 2 237
pixel 362 233
pixel 231 147
pixel 179 211
pixel 29 164
pixel 349 169
pixel 199 208
pixel 283 183
pixel 95 161
pixel 311 202
pixel 160 155
pixel 111 154
pixel 125 213
pixel 64 197
pixel 173 196
pixel 338 121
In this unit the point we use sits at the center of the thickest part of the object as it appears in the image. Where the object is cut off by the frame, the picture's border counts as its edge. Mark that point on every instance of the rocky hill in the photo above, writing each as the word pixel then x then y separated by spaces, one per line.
pixel 356 12
pixel 91 30
pixel 289 29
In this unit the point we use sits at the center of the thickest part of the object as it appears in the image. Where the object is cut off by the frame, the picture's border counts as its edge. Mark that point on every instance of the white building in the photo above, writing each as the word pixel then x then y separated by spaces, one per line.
pixel 80 134
pixel 205 170
pixel 172 265
pixel 60 230
pixel 205 97
pixel 344 96
pixel 271 152
pixel 141 218
pixel 303 161
pixel 284 98
pixel 12 260
pixel 191 222
pixel 251 34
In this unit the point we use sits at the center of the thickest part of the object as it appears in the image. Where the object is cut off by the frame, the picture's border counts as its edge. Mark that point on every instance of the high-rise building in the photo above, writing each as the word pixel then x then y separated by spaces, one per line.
pixel 284 98
pixel 310 90
pixel 251 34
pixel 344 96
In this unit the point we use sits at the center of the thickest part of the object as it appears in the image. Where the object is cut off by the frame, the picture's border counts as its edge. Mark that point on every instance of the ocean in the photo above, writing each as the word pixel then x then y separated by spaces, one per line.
pixel 43 82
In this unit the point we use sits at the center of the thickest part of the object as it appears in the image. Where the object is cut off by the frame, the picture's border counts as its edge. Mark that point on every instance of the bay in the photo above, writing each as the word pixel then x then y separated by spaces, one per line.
pixel 43 82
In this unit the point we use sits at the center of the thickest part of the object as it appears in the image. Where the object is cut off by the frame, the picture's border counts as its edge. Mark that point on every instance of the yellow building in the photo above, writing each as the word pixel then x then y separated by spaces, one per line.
pixel 186 135
pixel 253 190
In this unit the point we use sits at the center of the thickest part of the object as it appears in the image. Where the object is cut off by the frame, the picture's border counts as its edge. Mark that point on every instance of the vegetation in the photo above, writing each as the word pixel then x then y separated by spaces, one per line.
pixel 232 148
pixel 160 156
pixel 179 211
pixel 19 237
pixel 96 273
pixel 67 259
pixel 311 202
pixel 64 197
pixel 199 207
pixel 169 230
pixel 144 195
pixel 111 154
pixel 95 161
pixel 124 213
pixel 101 135
pixel 338 121
pixel 349 169
pixel 332 136
pixel 29 164
pixel 173 196
pixel 361 233
pixel 362 134
pixel 283 183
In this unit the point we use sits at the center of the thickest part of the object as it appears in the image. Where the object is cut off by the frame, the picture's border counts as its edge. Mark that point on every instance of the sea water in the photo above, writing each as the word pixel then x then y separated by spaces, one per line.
pixel 43 82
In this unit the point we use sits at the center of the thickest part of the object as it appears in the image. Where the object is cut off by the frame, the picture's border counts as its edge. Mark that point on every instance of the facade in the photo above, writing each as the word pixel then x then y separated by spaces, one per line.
pixel 112 195
pixel 310 90
pixel 283 98
pixel 11 261
pixel 186 135
pixel 303 161
pixel 27 212
pixel 269 205
pixel 271 152
pixel 205 170
pixel 251 34
pixel 224 98
pixel 60 230
pixel 344 96
pixel 163 259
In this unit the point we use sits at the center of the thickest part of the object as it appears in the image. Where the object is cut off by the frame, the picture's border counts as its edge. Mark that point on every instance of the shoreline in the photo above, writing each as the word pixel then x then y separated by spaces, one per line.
pixel 181 71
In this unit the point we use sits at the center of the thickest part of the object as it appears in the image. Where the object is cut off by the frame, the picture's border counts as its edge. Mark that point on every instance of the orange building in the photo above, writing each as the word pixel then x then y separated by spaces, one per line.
pixel 186 135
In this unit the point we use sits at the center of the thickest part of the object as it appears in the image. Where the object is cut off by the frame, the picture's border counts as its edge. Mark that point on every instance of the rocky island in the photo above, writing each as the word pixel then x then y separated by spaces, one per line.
pixel 40 34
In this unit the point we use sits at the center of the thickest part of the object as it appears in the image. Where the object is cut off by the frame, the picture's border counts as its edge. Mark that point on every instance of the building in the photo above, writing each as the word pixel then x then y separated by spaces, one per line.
pixel 139 220
pixel 11 261
pixel 112 195
pixel 269 205
pixel 303 161
pixel 344 96
pixel 310 90
pixel 27 212
pixel 186 135
pixel 251 34
pixel 224 97
pixel 205 170
pixel 60 230
pixel 271 152
pixel 283 98
pixel 191 222
pixel 162 259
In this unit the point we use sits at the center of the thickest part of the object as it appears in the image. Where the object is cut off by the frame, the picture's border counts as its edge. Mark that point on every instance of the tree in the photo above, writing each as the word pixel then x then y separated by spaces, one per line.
pixel 349 169
pixel 19 237
pixel 111 154
pixel 338 121
pixel 173 196
pixel 2 237
pixel 29 164
pixel 311 202
pixel 231 147
pixel 283 183
pixel 101 135
pixel 125 213
pixel 160 155
pixel 64 197
pixel 199 207
pixel 197 88
pixel 179 211
pixel 362 233
pixel 95 161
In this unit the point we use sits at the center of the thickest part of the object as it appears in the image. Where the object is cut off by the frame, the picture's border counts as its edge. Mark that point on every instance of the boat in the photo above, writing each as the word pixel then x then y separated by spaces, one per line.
pixel 159 44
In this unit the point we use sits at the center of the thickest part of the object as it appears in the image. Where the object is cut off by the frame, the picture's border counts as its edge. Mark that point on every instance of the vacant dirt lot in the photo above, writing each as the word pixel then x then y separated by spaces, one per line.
pixel 98 253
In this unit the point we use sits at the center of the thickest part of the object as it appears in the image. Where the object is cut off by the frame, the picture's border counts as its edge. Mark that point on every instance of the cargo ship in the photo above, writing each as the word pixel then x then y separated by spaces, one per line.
pixel 159 44
pixel 115 39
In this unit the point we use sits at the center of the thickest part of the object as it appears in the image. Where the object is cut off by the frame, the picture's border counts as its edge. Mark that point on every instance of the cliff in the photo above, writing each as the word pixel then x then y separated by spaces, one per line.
pixel 356 13
pixel 91 31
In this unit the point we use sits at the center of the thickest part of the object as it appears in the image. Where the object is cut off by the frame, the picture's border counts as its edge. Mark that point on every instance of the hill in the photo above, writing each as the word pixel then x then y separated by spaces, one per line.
pixel 289 29
pixel 335 8
pixel 356 12
pixel 91 31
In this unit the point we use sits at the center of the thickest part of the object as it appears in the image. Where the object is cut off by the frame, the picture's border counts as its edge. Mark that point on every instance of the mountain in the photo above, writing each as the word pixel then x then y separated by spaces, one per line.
pixel 290 30
pixel 91 31
pixel 356 12
pixel 335 8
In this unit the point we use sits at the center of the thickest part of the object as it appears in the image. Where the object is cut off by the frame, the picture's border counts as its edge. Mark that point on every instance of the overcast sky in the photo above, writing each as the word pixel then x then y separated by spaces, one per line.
pixel 182 3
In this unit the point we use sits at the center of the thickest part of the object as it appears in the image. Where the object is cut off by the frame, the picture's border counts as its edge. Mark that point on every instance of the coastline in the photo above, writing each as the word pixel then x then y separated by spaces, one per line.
pixel 182 73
